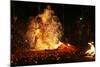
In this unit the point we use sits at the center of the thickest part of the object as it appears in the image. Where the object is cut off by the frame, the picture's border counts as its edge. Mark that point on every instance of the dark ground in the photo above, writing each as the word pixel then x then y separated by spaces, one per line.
pixel 61 55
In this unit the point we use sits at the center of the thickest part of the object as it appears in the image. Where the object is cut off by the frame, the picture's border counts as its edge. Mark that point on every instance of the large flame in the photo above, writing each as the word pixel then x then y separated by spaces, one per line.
pixel 45 31
pixel 91 51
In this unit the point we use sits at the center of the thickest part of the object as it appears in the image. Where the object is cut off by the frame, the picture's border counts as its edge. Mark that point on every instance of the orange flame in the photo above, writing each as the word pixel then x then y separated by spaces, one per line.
pixel 45 31
pixel 91 51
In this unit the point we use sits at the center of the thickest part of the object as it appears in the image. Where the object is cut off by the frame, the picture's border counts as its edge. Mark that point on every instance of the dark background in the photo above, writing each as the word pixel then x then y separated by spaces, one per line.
pixel 68 14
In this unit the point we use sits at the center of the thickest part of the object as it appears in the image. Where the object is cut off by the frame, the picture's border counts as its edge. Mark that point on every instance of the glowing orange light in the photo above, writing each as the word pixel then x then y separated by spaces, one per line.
pixel 91 51
pixel 45 31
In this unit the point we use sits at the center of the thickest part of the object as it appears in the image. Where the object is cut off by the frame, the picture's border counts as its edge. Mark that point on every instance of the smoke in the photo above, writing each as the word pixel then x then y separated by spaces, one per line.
pixel 44 31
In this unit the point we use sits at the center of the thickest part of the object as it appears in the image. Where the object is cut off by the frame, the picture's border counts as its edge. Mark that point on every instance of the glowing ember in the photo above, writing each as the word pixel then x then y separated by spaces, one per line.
pixel 45 31
pixel 68 44
pixel 91 51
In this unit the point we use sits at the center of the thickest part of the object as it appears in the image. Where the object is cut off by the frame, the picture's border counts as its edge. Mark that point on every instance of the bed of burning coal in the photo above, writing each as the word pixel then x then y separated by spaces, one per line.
pixel 63 54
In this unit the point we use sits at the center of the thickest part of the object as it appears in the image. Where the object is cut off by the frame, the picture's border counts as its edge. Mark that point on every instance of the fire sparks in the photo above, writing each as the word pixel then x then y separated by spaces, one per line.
pixel 45 31
pixel 91 51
